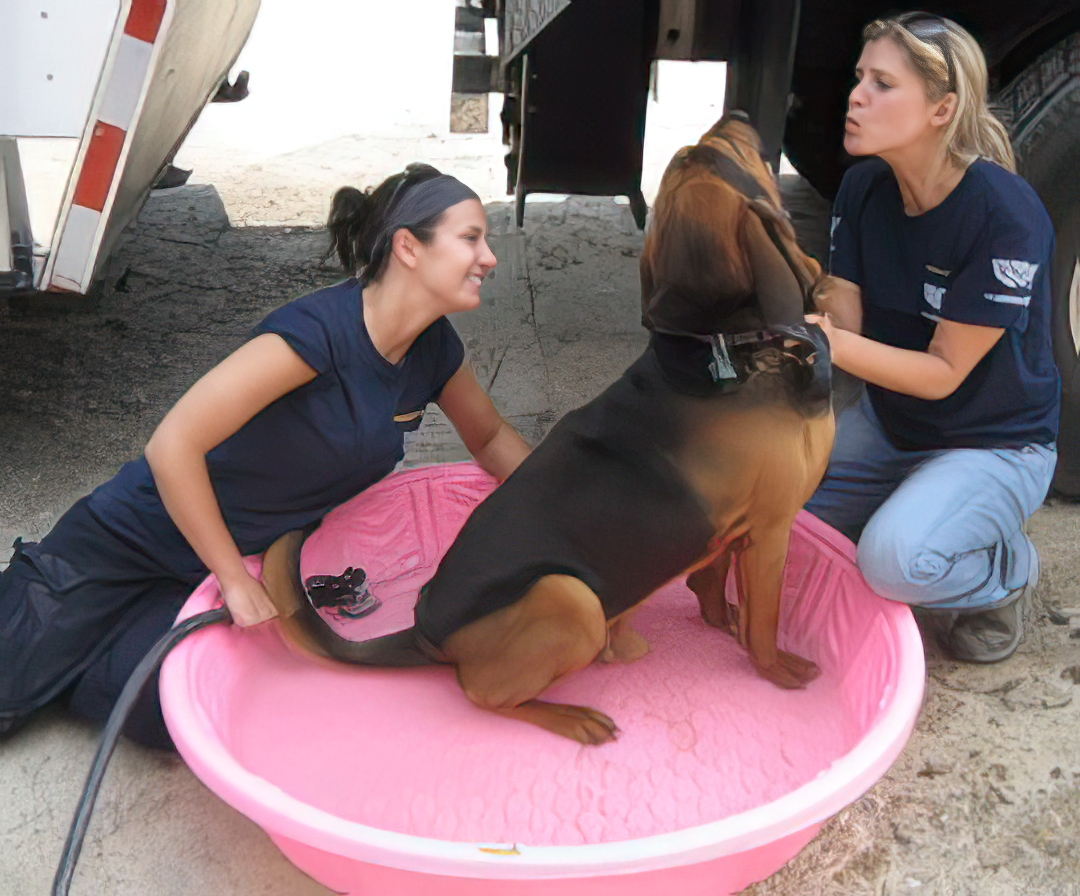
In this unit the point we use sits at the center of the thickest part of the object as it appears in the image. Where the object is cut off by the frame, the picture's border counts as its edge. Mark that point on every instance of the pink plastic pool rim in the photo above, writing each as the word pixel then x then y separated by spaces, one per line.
pixel 390 781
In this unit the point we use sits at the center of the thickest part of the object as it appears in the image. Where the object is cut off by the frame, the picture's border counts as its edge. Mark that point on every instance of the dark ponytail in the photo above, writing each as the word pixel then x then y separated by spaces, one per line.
pixel 357 220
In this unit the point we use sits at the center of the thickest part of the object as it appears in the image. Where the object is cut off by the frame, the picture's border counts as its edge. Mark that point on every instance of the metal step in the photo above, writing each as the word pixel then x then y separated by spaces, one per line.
pixel 16 239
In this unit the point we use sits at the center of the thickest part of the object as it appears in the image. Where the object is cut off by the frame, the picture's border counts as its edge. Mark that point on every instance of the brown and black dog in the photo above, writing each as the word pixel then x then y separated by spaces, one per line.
pixel 701 453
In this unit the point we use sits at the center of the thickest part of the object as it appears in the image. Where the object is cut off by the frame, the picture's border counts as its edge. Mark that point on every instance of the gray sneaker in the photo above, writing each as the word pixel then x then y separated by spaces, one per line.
pixel 988 636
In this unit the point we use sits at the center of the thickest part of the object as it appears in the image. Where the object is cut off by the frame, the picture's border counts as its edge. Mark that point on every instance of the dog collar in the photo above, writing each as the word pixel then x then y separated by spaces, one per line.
pixel 735 357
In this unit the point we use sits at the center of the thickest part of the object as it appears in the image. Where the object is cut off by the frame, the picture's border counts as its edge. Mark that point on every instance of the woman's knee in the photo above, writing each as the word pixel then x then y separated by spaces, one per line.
pixel 921 572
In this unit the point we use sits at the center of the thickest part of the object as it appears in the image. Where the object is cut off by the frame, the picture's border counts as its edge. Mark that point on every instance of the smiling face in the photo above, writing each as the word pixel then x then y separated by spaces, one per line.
pixel 457 259
pixel 888 111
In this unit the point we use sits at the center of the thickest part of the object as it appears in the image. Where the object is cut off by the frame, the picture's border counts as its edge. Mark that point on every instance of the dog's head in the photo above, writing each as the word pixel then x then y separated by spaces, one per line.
pixel 720 254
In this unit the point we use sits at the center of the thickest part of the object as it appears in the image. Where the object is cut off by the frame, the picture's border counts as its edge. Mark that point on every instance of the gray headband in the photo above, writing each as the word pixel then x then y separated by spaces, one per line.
pixel 423 201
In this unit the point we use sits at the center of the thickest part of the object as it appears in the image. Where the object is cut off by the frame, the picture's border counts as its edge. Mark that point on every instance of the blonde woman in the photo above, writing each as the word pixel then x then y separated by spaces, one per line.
pixel 942 255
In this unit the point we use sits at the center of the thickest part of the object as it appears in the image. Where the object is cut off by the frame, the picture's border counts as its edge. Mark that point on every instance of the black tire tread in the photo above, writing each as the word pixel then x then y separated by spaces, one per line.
pixel 1041 106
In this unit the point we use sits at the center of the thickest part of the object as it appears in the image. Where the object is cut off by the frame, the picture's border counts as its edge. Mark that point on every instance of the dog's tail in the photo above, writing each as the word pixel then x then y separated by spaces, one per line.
pixel 304 627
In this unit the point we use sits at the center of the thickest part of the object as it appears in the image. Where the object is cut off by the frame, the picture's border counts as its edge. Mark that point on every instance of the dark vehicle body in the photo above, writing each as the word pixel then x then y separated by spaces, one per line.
pixel 575 76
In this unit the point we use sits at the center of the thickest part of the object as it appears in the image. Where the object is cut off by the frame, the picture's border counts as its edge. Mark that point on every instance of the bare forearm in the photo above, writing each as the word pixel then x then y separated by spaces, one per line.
pixel 919 374
pixel 503 452
pixel 183 482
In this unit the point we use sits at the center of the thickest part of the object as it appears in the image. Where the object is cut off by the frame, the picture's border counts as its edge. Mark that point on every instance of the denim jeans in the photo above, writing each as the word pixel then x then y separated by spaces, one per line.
pixel 940 528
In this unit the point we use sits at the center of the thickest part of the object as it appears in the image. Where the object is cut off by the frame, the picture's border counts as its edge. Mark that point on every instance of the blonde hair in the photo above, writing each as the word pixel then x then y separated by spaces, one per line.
pixel 949 60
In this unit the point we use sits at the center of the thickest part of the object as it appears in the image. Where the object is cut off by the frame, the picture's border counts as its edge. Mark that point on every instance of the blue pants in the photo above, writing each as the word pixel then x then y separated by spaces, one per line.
pixel 942 528
pixel 78 612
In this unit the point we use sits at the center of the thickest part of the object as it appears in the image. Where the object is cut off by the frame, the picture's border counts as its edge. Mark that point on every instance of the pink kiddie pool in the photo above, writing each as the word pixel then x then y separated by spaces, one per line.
pixel 388 781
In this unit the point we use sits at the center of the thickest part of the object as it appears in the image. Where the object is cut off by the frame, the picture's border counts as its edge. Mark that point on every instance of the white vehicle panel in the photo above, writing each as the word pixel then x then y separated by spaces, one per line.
pixel 54 50
pixel 46 167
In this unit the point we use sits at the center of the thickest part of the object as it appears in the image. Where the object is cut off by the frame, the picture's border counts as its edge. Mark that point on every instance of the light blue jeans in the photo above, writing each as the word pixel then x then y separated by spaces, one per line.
pixel 941 529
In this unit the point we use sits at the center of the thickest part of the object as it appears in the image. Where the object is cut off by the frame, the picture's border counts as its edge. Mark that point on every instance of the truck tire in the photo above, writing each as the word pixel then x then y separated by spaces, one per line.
pixel 1042 106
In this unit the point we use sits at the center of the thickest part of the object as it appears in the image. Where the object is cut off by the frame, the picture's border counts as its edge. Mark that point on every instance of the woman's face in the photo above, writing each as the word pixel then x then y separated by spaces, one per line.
pixel 458 258
pixel 888 109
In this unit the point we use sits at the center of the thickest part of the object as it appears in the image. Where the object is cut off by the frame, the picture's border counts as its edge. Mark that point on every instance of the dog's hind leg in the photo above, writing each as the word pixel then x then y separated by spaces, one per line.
pixel 709 584
pixel 506 659
pixel 760 575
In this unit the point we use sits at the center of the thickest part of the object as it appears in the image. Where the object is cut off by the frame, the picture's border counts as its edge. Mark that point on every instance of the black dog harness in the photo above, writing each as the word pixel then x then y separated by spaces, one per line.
pixel 803 353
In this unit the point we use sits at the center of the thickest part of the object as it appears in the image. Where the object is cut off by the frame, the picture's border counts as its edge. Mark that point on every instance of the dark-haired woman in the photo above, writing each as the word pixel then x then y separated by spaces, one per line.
pixel 305 415
pixel 941 305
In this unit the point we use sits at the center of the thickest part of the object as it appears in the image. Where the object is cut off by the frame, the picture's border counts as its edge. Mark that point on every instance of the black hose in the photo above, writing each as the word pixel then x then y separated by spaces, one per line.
pixel 111 734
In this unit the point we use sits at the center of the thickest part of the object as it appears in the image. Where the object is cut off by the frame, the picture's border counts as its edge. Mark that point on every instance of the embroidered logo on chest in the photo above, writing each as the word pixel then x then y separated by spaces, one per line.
pixel 933 295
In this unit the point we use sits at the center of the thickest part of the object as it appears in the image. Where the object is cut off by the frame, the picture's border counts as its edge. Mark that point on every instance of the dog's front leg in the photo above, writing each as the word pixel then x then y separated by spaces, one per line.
pixel 760 573
pixel 709 584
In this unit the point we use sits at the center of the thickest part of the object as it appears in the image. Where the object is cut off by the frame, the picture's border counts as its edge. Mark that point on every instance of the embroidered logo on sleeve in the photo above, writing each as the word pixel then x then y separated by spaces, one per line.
pixel 1015 273
pixel 933 295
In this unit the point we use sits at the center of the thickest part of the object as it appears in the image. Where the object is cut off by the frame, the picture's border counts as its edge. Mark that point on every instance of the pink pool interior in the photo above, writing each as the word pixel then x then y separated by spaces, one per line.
pixel 704 739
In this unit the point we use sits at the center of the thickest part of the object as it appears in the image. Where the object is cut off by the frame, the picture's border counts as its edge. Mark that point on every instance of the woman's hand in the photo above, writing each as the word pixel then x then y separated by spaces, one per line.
pixel 825 322
pixel 247 600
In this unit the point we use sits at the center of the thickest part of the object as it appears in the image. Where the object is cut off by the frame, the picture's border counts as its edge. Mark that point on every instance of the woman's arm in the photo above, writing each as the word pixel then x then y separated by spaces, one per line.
pixel 495 444
pixel 258 373
pixel 934 374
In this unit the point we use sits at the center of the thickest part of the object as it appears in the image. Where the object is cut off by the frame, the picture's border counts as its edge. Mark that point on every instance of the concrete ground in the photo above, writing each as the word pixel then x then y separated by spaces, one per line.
pixel 985 799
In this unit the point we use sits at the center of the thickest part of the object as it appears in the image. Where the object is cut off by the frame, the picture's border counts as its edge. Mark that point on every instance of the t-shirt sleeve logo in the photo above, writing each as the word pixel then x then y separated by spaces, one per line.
pixel 1014 273
pixel 933 295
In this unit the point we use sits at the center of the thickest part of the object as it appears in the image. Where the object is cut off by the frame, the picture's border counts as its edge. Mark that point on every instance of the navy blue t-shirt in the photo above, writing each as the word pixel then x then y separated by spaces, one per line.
pixel 980 257
pixel 313 448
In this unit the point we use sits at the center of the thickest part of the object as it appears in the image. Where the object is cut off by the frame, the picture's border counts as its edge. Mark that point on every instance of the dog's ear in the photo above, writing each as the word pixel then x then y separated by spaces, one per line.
pixel 778 292
pixel 647 287
pixel 694 269
pixel 778 224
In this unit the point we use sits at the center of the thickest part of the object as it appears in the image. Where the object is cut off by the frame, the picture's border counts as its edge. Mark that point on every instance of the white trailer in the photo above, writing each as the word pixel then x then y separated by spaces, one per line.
pixel 95 99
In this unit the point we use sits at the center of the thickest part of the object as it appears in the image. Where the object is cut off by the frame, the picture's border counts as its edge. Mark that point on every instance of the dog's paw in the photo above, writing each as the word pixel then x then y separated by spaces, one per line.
pixel 789 671
pixel 581 723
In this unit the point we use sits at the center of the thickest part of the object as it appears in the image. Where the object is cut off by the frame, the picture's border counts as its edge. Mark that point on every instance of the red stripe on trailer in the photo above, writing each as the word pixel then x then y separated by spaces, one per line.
pixel 144 19
pixel 99 166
